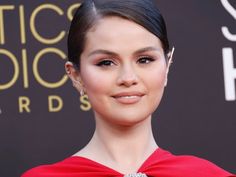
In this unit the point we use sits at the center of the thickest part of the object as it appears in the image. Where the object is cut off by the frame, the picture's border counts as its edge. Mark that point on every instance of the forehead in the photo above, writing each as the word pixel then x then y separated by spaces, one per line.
pixel 113 31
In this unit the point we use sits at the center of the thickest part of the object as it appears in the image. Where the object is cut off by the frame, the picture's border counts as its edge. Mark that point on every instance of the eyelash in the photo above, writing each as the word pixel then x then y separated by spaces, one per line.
pixel 145 60
pixel 105 63
pixel 141 60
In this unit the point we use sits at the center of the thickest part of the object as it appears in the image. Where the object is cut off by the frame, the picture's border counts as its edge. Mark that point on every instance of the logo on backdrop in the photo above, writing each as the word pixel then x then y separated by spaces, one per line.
pixel 228 57
pixel 20 65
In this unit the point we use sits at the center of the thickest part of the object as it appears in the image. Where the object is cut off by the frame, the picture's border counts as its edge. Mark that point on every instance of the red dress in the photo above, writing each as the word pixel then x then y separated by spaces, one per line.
pixel 160 163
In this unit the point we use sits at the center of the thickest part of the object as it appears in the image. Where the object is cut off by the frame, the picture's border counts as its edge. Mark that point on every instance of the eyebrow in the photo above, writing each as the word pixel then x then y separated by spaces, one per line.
pixel 146 49
pixel 142 50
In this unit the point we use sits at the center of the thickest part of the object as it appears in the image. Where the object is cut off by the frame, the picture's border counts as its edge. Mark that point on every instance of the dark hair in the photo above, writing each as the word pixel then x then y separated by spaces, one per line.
pixel 142 12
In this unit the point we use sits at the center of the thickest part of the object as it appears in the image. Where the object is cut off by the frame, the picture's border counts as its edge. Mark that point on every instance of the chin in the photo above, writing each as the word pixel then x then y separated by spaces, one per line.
pixel 126 115
pixel 129 120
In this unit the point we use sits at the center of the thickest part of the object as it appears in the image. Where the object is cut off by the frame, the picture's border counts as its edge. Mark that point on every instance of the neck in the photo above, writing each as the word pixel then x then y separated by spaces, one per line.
pixel 122 147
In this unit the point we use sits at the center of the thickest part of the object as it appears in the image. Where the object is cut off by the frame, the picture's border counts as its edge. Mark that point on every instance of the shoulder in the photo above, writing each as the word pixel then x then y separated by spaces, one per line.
pixel 58 169
pixel 192 165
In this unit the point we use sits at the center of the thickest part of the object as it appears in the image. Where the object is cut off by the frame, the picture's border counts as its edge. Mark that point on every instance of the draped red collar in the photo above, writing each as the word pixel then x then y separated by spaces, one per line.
pixel 160 163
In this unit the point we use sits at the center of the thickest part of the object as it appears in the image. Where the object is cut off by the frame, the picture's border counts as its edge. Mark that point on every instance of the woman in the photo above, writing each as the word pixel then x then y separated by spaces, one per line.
pixel 119 56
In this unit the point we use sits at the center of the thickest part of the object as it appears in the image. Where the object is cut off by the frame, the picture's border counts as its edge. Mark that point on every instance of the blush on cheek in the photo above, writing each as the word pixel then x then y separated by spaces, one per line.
pixel 93 81
pixel 158 77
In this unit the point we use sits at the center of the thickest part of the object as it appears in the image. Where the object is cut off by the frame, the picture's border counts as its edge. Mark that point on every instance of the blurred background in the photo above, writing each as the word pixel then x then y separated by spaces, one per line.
pixel 43 119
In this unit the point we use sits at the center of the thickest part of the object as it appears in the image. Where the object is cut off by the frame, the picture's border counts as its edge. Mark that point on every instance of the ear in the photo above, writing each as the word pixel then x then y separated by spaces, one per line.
pixel 74 76
pixel 170 61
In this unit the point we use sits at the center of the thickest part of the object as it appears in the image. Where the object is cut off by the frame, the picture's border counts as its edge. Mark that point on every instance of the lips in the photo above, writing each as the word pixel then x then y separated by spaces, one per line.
pixel 128 97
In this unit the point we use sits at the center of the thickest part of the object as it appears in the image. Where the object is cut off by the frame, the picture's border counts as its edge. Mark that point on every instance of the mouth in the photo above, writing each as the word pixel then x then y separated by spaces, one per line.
pixel 128 97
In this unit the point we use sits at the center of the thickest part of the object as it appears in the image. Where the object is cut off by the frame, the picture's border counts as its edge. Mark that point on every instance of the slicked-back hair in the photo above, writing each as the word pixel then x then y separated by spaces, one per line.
pixel 142 12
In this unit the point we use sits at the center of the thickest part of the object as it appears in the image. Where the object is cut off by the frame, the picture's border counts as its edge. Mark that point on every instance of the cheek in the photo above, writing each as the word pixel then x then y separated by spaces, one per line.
pixel 155 85
pixel 95 81
pixel 156 79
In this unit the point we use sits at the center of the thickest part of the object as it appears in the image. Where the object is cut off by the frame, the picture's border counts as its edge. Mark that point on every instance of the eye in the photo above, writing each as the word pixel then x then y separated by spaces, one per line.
pixel 145 60
pixel 105 63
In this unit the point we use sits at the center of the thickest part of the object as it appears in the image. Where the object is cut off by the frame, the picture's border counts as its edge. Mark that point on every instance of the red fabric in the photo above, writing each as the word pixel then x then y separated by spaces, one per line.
pixel 160 164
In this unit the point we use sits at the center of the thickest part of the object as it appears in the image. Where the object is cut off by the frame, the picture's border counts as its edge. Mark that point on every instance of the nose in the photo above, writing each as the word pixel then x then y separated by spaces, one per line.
pixel 127 77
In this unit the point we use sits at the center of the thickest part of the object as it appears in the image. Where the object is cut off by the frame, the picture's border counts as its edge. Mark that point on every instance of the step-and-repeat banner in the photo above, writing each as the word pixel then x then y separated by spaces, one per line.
pixel 44 120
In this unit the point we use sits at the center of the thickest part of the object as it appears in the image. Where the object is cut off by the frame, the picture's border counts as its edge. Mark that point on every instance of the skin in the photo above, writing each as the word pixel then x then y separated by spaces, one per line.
pixel 123 72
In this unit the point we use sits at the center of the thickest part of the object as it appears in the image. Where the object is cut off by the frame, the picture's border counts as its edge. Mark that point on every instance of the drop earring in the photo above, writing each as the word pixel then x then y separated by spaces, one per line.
pixel 81 92
pixel 171 56
pixel 77 83
pixel 170 61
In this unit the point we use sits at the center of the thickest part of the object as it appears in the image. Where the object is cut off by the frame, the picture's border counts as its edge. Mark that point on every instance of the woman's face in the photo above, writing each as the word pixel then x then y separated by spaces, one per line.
pixel 123 71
